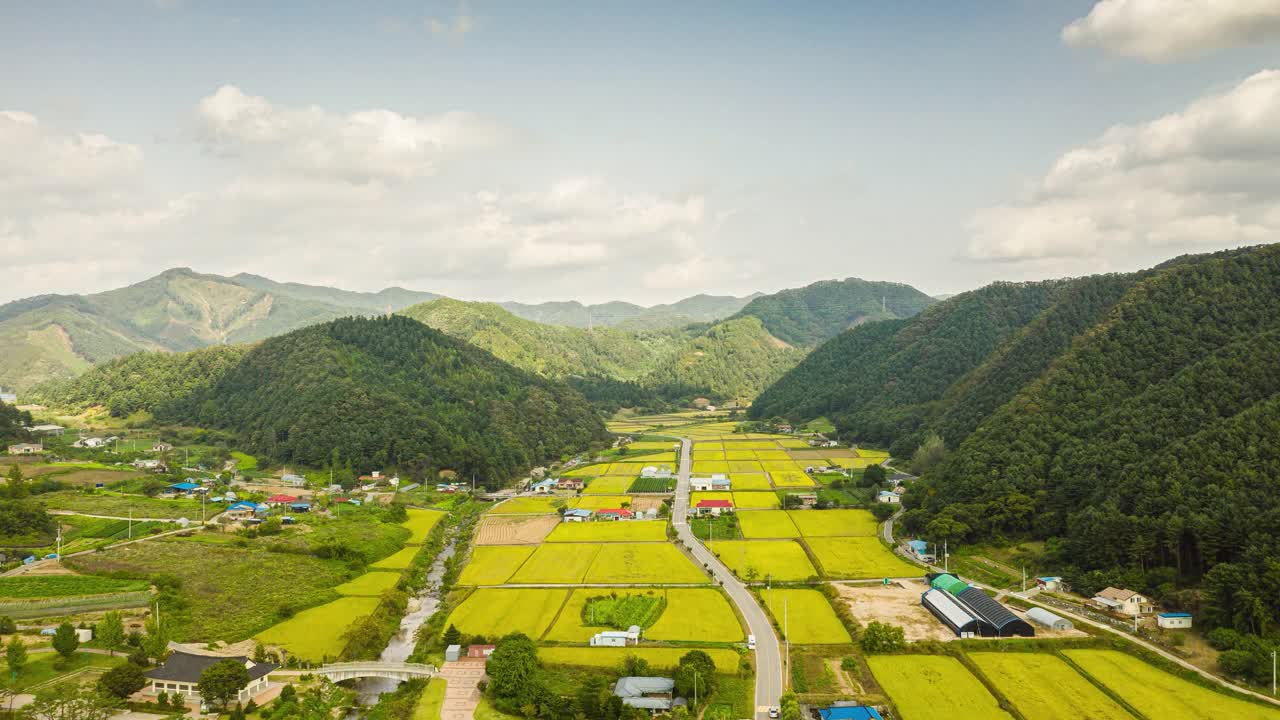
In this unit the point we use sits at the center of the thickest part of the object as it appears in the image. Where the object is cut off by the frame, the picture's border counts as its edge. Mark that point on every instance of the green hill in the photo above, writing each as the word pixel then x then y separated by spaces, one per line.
pixel 809 315
pixel 389 392
pixel 734 360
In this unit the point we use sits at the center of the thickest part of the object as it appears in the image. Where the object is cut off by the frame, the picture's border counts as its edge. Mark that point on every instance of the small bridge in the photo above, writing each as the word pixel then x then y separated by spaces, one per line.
pixel 338 672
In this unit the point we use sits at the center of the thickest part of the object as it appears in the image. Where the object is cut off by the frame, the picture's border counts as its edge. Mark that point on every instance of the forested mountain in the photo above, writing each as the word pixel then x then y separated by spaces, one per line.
pixel 735 360
pixel 696 309
pixel 59 336
pixel 809 315
pixel 390 391
pixel 1134 420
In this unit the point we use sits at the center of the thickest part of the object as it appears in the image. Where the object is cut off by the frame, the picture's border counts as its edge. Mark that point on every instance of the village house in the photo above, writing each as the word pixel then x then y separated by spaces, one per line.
pixel 151 465
pixel 161 447
pixel 719 482
pixel 1049 583
pixel 180 675
pixel 1125 602
pixel 281 500
pixel 26 449
pixel 1174 620
pixel 92 442
pixel 617 638
pixel 576 515
pixel 712 507
pixel 544 486
pixel 647 693
pixel 239 511
pixel 46 429
pixel 888 496
pixel 569 483
pixel 920 549
pixel 614 514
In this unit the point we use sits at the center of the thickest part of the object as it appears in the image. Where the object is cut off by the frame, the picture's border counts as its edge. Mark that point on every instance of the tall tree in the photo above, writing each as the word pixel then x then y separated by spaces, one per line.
pixel 65 640
pixel 15 655
pixel 111 631
pixel 221 682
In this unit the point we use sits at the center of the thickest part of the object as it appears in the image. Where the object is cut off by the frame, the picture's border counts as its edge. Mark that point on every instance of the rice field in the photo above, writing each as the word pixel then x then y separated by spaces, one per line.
pixel 600 502
pixel 399 560
pixel 834 523
pixel 651 563
pixel 921 685
pixel 1158 694
pixel 611 657
pixel 621 531
pixel 420 524
pixel 515 529
pixel 751 467
pixel 317 633
pixel 703 467
pixel 806 615
pixel 699 455
pixel 530 506
pixel 691 615
pixel 499 611
pixel 570 626
pixel 371 584
pixel 608 485
pixel 748 455
pixel 1044 687
pixel 767 524
pixel 756 500
pixel 790 479
pixel 854 558
pixel 494 564
pixel 782 560
pixel 650 445
pixel 749 481
pixel 559 563
pixel 854 463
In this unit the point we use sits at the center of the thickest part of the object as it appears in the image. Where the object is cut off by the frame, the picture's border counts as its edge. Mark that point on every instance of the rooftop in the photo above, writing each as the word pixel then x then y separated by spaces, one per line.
pixel 186 667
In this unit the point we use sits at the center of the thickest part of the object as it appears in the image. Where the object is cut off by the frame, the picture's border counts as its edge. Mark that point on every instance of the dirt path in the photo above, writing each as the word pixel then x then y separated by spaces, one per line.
pixel 462 694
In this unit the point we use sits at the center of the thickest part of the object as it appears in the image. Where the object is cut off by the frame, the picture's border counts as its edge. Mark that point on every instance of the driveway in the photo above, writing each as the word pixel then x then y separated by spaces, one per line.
pixel 461 694
pixel 768 654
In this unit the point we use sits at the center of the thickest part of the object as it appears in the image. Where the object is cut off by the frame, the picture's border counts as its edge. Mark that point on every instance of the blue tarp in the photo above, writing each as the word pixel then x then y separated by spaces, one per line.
pixel 858 712
pixel 184 486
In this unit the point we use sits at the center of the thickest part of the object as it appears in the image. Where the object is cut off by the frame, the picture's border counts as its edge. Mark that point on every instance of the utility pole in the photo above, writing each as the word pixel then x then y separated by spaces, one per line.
pixel 1273 672
pixel 946 557
pixel 59 541
pixel 1024 578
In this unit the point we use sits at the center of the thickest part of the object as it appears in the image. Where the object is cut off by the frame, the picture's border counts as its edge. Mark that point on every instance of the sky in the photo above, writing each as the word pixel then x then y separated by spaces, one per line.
pixel 630 151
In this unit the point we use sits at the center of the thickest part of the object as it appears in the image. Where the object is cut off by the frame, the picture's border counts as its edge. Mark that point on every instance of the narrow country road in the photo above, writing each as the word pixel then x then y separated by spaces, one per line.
pixel 768 655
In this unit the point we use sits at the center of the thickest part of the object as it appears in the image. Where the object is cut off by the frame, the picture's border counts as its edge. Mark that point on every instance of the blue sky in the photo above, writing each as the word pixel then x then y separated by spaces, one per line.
pixel 639 151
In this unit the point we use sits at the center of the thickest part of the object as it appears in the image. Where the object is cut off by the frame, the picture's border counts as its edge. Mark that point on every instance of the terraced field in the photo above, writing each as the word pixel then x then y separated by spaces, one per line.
pixel 1158 694
pixel 499 611
pixel 1044 687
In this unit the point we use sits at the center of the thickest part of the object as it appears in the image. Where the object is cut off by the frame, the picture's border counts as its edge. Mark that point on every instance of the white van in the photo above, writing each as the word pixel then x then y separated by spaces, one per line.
pixel 751 642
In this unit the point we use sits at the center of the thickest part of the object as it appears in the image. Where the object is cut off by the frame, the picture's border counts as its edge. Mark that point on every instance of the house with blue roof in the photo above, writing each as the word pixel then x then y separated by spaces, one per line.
pixel 184 487
pixel 886 496
pixel 920 549
pixel 544 486
pixel 576 515
pixel 850 712
pixel 240 510
pixel 1174 620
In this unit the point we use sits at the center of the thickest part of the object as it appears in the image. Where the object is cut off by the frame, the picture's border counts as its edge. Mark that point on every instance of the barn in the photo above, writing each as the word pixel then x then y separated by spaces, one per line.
pixel 1044 618
pixel 945 608
pixel 994 619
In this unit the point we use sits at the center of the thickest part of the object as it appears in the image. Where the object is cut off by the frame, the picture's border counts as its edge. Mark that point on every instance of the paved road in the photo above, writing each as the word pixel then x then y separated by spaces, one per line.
pixel 768 655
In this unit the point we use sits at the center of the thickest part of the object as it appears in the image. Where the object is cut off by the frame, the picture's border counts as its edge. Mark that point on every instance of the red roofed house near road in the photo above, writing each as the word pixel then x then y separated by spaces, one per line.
pixel 713 507
pixel 614 514
pixel 281 500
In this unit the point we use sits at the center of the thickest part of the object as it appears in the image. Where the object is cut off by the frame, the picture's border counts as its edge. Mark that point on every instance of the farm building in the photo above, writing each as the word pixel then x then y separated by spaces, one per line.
pixel 161 447
pixel 544 486
pixel 185 487
pixel 849 712
pixel 920 549
pixel 1044 618
pixel 945 608
pixel 647 693
pixel 994 619
pixel 92 442
pixel 1174 621
pixel 1125 602
pixel 616 638
pixel 152 465
pixel 713 507
pixel 576 515
pixel 180 674
pixel 885 496
pixel 26 449
pixel 452 653
pixel 614 514
pixel 715 482
pixel 568 483
pixel 293 480
pixel 47 429
pixel 655 471
pixel 1050 583
pixel 950 583
pixel 240 511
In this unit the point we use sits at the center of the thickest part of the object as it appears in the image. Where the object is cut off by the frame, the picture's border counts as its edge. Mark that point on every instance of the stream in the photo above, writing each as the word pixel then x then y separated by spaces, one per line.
pixel 420 609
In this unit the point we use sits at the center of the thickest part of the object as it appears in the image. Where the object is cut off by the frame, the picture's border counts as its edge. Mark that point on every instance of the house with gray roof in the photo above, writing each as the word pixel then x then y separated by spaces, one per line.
pixel 180 674
pixel 647 693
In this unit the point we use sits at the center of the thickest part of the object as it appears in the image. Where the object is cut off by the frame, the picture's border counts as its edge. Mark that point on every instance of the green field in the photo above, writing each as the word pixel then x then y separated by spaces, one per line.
pixel 562 563
pixel 1044 687
pixel 420 524
pixel 370 584
pixel 605 531
pixel 102 502
pixel 642 563
pixel 228 593
pixel 40 669
pixel 399 560
pixel 782 560
pixel 766 524
pixel 317 633
pixel 499 611
pixel 807 615
pixel 611 657
pixel 613 485
pixel 756 500
pixel 244 461
pixel 621 611
pixel 652 485
pixel 923 685
pixel 29 587
pixel 530 505
pixel 1158 694
pixel 431 701
pixel 834 523
pixel 494 564
pixel 571 626
pixel 856 558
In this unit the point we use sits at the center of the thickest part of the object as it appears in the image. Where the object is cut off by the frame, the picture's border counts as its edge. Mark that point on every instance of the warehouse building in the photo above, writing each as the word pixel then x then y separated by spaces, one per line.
pixel 1046 619
pixel 945 608
pixel 994 619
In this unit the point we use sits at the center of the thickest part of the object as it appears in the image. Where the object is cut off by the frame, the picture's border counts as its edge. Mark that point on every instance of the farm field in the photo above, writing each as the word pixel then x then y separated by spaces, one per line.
pixel 494 564
pixel 117 505
pixel 370 584
pixel 1044 687
pixel 920 685
pixel 756 501
pixel 608 485
pixel 834 523
pixel 400 560
pixel 700 495
pixel 499 611
pixel 515 530
pixel 767 524
pixel 431 701
pixel 749 481
pixel 570 626
pixel 420 524
pixel 604 531
pixel 782 560
pixel 652 485
pixel 561 563
pixel 809 616
pixel 855 463
pixel 790 479
pixel 27 587
pixel 608 657
pixel 600 502
pixel 316 633
pixel 698 615
pixel 650 445
pixel 1158 694
pixel 40 669
pixel 857 558
pixel 703 467
pixel 643 563
pixel 530 506
pixel 241 598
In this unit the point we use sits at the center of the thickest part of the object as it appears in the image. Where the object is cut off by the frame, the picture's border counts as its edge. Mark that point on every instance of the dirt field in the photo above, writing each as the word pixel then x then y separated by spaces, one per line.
pixel 640 504
pixel 498 530
pixel 899 604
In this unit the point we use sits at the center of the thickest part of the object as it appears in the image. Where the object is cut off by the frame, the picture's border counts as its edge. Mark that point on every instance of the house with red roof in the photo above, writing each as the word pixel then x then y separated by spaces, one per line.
pixel 614 514
pixel 281 500
pixel 712 507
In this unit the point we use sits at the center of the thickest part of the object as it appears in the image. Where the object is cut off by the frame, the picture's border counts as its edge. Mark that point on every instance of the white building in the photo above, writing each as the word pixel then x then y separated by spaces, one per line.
pixel 718 481
pixel 1125 602
pixel 180 675
pixel 616 638
pixel 1174 621
pixel 885 496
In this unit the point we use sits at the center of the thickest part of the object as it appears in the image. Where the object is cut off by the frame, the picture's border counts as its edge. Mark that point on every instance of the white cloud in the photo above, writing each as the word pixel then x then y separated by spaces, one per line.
pixel 1166 30
pixel 42 166
pixel 360 146
pixel 1201 178
pixel 457 26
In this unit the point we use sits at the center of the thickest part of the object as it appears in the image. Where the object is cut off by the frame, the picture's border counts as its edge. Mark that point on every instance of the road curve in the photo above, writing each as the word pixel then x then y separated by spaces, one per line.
pixel 768 655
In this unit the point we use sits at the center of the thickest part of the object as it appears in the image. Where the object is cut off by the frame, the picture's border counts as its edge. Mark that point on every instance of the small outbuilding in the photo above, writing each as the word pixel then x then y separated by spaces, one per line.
pixel 26 449
pixel 1049 583
pixel 1049 620
pixel 1174 620
pixel 452 653
pixel 886 496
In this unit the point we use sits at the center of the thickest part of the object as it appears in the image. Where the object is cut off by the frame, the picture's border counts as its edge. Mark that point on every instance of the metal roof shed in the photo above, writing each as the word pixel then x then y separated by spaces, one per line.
pixel 994 619
pixel 1044 618
pixel 945 608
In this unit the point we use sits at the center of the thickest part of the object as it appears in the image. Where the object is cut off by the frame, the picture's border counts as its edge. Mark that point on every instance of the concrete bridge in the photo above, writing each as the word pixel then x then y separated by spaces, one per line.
pixel 338 672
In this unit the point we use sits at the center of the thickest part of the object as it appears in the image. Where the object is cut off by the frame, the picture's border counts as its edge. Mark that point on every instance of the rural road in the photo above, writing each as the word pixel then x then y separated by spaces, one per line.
pixel 768 655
